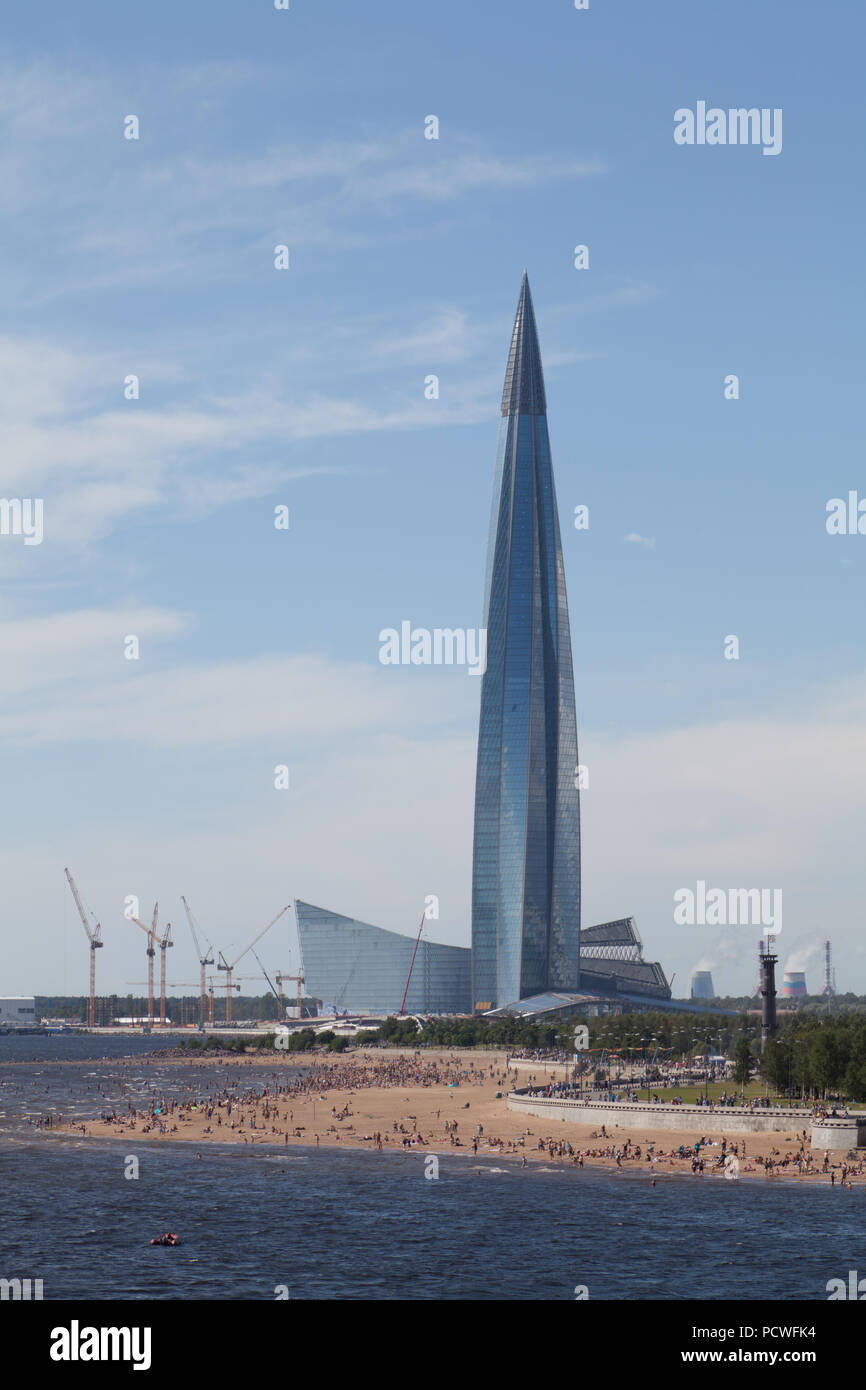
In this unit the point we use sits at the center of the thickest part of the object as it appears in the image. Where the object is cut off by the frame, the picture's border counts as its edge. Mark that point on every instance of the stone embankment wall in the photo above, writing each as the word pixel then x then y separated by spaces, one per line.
pixel 840 1133
pixel 632 1115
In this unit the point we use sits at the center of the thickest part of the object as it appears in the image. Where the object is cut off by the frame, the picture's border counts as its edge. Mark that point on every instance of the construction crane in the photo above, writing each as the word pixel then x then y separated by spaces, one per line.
pixel 95 945
pixel 279 977
pixel 411 967
pixel 152 937
pixel 164 943
pixel 264 972
pixel 210 1001
pixel 264 976
pixel 223 964
pixel 204 959
pixel 171 984
pixel 300 979
pixel 278 997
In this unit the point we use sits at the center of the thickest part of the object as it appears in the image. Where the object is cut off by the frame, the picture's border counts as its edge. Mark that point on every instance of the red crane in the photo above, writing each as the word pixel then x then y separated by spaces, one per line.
pixel 411 966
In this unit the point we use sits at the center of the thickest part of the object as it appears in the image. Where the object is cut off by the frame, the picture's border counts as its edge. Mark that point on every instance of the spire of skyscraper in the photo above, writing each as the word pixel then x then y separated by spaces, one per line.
pixel 524 382
pixel 526 860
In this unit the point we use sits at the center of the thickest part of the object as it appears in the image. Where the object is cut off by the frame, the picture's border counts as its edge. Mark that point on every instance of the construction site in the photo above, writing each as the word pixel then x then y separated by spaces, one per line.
pixel 349 975
pixel 219 995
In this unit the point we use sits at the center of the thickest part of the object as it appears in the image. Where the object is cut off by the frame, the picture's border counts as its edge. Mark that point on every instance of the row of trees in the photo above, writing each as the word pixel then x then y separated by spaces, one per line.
pixel 509 1032
pixel 404 1032
pixel 680 1034
pixel 818 1057
pixel 811 1055
pixel 801 1004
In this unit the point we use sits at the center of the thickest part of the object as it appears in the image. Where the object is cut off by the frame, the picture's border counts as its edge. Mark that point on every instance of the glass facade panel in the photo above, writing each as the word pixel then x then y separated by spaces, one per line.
pixel 526 855
pixel 364 969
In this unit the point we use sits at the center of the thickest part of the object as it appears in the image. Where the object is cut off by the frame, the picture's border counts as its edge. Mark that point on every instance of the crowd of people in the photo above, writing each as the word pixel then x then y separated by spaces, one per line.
pixel 283 1105
pixel 267 1110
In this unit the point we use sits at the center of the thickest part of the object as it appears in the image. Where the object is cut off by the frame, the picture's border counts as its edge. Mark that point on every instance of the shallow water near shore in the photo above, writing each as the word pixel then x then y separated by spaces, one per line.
pixel 358 1225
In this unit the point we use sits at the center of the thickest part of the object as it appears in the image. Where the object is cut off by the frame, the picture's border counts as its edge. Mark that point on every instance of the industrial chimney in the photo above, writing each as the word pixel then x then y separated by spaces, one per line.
pixel 768 993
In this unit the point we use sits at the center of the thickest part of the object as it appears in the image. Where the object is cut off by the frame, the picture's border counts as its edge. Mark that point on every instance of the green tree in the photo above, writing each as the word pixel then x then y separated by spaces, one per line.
pixel 774 1064
pixel 824 1062
pixel 742 1062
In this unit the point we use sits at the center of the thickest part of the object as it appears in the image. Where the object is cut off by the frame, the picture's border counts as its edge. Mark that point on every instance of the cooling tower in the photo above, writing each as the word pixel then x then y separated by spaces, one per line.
pixel 702 985
pixel 793 984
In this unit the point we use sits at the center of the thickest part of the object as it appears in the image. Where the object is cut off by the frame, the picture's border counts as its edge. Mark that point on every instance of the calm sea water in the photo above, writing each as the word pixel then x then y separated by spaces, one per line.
pixel 355 1225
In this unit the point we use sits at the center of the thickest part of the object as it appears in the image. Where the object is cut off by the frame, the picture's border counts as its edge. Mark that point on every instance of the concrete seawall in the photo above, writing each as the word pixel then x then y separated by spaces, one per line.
pixel 633 1115
pixel 843 1133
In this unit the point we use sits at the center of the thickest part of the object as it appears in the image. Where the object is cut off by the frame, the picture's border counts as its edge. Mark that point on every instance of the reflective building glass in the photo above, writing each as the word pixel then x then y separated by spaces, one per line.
pixel 364 969
pixel 526 857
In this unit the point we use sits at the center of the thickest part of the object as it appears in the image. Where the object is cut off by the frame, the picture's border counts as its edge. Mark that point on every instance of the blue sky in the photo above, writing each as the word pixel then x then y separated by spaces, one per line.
pixel 306 387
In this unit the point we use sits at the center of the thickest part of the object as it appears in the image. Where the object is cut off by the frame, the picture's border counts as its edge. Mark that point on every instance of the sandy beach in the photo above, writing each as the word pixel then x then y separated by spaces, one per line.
pixel 437 1103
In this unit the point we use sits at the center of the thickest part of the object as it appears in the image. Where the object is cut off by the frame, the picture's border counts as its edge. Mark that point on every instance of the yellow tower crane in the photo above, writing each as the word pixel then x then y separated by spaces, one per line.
pixel 93 935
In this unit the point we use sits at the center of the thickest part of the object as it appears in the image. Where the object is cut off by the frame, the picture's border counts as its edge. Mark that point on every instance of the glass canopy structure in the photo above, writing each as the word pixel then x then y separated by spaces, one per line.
pixel 526 854
pixel 353 965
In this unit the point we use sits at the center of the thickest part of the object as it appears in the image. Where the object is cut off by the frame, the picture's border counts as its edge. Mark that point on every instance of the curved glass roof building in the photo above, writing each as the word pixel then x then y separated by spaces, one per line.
pixel 353 965
pixel 526 853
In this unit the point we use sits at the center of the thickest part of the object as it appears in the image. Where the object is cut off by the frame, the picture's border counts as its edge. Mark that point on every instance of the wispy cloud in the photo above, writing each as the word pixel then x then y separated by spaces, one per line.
pixel 466 172
pixel 65 678
pixel 95 464
pixel 194 207
pixel 619 297
pixel 447 337
pixel 45 657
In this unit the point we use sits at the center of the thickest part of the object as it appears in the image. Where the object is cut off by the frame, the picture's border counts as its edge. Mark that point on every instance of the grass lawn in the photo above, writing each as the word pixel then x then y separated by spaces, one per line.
pixel 689 1094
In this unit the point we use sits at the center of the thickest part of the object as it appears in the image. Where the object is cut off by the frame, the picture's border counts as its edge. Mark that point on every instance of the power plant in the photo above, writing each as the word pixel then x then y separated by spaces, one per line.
pixel 794 984
pixel 702 985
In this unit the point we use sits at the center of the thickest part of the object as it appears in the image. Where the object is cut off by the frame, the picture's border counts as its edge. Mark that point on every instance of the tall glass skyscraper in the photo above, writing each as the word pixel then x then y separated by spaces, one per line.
pixel 526 860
